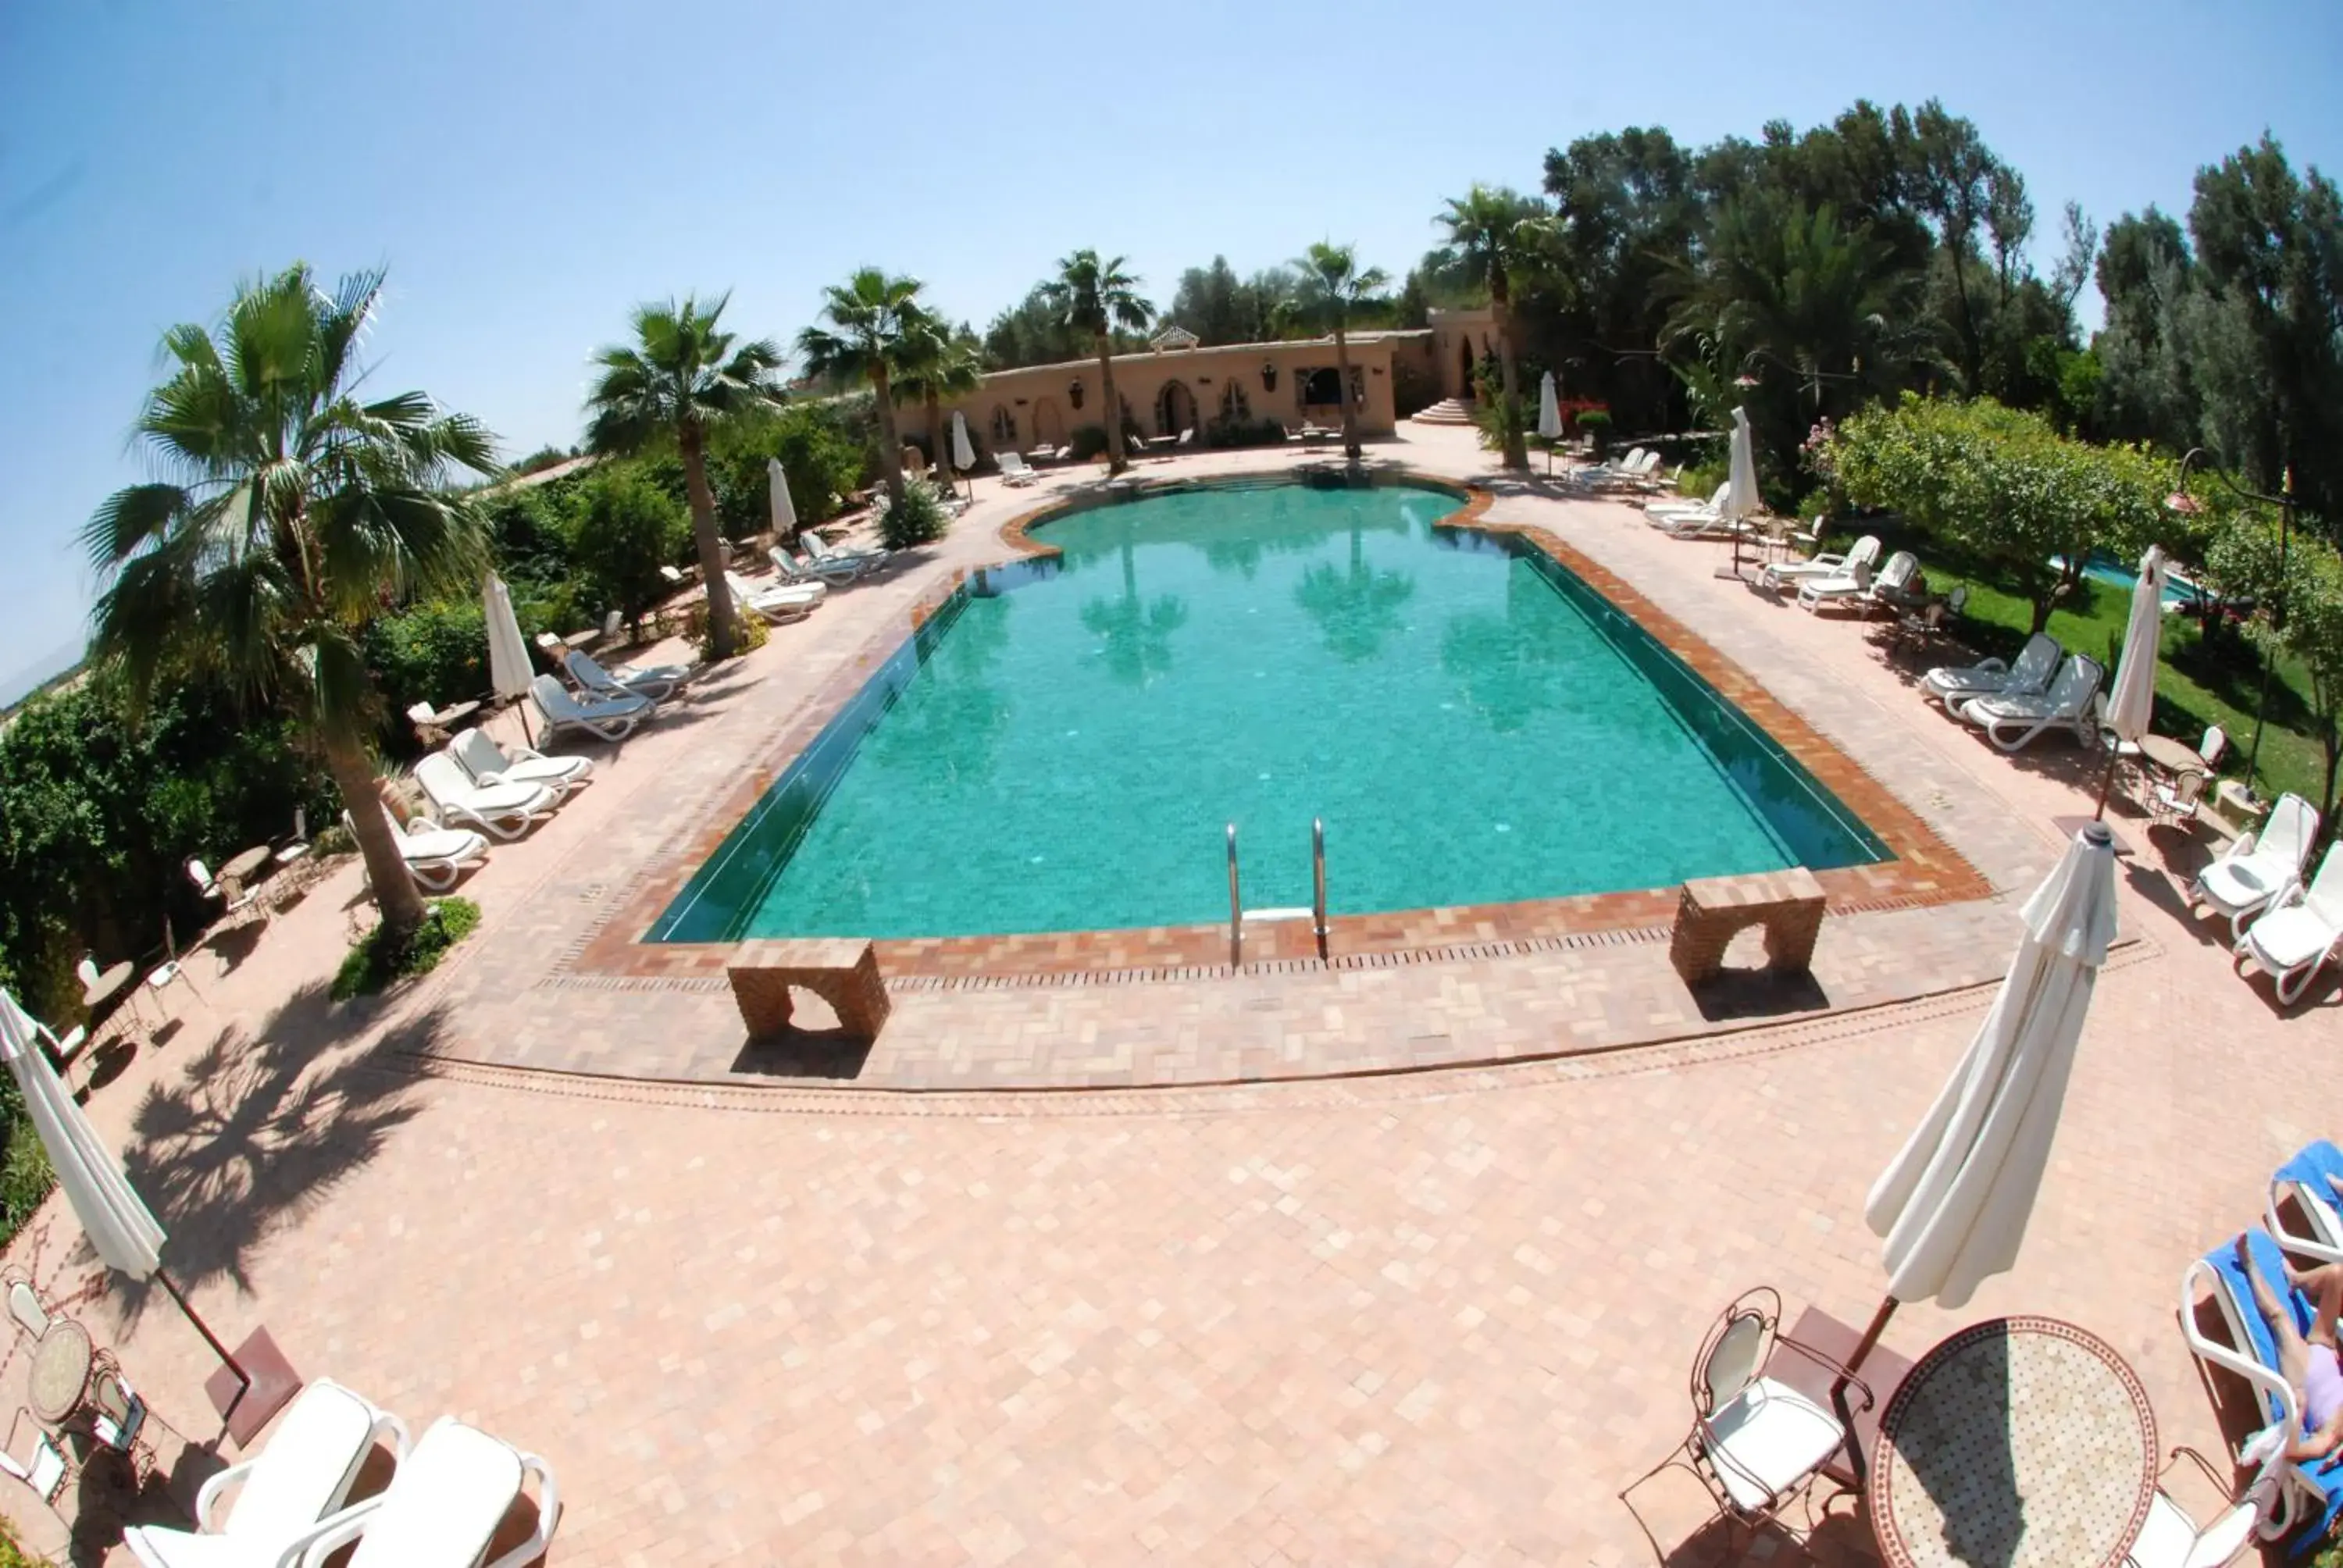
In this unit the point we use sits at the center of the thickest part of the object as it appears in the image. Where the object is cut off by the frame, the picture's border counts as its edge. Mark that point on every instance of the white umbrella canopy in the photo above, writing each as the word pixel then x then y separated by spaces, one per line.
pixel 963 453
pixel 508 667
pixel 785 511
pixel 121 1230
pixel 1741 497
pixel 1549 426
pixel 1953 1205
pixel 2133 699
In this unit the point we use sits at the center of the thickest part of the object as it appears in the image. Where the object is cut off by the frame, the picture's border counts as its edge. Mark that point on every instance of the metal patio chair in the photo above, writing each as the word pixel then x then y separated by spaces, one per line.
pixel 1756 1444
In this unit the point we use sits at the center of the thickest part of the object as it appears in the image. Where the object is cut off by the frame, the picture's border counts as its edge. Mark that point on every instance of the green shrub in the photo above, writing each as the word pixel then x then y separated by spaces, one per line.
pixel 25 1174
pixel 1245 433
pixel 822 448
pixel 337 840
pixel 374 961
pixel 750 632
pixel 920 519
pixel 629 529
pixel 436 653
pixel 1086 443
pixel 12 1556
pixel 1595 424
pixel 1701 479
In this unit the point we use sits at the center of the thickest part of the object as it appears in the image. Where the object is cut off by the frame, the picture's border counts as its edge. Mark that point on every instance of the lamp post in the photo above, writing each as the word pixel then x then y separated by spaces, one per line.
pixel 2186 505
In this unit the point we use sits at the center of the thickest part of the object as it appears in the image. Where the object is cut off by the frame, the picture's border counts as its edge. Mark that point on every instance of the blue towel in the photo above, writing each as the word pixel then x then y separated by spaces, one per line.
pixel 2312 1167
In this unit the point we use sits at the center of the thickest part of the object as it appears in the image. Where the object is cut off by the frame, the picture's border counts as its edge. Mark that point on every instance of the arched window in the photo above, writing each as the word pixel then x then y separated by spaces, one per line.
pixel 1004 426
pixel 1321 385
pixel 1234 404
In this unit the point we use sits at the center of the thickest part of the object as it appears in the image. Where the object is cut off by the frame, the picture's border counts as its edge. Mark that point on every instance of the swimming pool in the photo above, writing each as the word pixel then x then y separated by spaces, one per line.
pixel 1060 746
pixel 2179 592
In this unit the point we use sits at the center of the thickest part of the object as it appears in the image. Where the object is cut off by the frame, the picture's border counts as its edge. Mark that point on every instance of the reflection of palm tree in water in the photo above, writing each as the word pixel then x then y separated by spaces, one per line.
pixel 1354 609
pixel 1138 636
pixel 954 717
pixel 1507 665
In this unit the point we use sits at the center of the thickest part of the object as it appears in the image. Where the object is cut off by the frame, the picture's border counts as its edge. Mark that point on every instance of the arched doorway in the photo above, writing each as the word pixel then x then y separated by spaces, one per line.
pixel 1175 409
pixel 1049 423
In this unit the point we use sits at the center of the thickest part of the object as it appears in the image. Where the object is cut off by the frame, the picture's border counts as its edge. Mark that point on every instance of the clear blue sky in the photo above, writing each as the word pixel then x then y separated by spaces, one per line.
pixel 527 170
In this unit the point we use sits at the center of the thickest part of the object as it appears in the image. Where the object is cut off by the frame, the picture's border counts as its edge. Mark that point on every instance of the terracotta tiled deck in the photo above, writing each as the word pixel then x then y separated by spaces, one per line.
pixel 1437 1317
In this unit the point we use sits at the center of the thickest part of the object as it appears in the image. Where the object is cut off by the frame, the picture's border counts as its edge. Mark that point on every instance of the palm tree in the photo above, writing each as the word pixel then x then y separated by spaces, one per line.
pixel 680 379
pixel 1331 287
pixel 875 318
pixel 288 513
pixel 939 363
pixel 1486 234
pixel 1094 297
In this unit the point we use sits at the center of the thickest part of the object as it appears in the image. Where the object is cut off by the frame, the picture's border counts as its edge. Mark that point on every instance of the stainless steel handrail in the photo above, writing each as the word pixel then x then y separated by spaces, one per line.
pixel 1318 877
pixel 1236 906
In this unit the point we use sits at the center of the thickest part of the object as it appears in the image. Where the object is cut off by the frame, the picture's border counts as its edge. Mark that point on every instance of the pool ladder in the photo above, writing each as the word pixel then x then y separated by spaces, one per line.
pixel 1315 914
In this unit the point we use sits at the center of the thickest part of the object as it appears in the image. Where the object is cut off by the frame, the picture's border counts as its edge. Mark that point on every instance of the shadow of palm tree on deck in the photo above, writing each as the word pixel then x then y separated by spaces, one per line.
pixel 259 1131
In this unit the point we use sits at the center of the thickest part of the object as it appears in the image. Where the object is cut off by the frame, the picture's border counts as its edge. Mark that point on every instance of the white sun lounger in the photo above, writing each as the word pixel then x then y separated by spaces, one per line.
pixel 1850 581
pixel 825 554
pixel 1014 469
pixel 291 1491
pixel 1660 513
pixel 2011 720
pixel 456 798
pixel 781 603
pixel 2037 661
pixel 1783 574
pixel 596 680
pixel 608 719
pixel 2300 932
pixel 442 1509
pixel 2252 873
pixel 434 856
pixel 807 571
pixel 489 763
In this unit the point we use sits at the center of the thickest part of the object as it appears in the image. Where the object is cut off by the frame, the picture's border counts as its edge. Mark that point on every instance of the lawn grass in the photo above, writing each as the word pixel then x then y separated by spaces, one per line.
pixel 2197 683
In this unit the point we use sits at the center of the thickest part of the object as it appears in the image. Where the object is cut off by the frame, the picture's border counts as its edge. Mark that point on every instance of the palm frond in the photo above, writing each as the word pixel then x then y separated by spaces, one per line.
pixel 128 520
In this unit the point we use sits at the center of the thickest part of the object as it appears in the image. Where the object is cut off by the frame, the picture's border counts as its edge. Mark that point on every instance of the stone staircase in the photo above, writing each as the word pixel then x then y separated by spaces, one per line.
pixel 1447 411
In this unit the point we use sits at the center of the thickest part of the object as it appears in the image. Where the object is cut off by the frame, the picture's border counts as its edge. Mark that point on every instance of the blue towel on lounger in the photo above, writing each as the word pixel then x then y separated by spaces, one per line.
pixel 2311 1168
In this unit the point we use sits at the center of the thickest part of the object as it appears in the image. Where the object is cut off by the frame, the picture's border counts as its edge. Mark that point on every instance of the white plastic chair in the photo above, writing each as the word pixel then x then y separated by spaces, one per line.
pixel 442 1507
pixel 780 604
pixel 1014 469
pixel 2252 873
pixel 40 1465
pixel 1850 582
pixel 2299 933
pixel 212 886
pixel 286 1494
pixel 2176 801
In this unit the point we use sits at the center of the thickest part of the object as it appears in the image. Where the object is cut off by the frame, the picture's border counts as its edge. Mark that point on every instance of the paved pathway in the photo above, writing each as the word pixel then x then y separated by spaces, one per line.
pixel 1437 1317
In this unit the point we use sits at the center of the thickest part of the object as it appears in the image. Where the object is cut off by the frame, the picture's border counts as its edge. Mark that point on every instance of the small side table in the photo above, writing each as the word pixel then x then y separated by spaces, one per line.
pixel 58 1381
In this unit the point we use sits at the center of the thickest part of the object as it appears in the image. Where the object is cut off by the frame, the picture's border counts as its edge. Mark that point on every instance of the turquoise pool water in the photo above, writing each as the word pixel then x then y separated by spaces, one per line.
pixel 2179 593
pixel 1061 746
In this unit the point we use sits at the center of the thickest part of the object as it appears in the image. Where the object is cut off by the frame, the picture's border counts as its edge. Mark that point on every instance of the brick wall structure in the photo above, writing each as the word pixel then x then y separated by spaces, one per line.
pixel 1712 910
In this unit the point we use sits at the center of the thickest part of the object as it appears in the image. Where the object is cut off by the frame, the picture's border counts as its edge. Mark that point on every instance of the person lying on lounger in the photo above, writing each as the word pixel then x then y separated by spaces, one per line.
pixel 2308 1362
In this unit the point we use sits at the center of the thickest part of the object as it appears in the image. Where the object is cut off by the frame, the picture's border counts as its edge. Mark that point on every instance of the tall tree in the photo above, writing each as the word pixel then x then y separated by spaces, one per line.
pixel 1334 287
pixel 1486 233
pixel 291 512
pixel 873 319
pixel 939 362
pixel 1092 297
pixel 680 379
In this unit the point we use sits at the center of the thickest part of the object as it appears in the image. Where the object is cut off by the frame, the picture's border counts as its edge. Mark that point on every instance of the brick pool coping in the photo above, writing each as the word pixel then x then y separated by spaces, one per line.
pixel 1924 871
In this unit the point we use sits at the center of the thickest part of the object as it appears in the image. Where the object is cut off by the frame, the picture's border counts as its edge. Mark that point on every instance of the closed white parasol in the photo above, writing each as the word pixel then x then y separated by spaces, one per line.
pixel 1953 1205
pixel 785 511
pixel 1549 416
pixel 2133 701
pixel 963 451
pixel 123 1231
pixel 508 667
